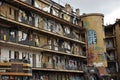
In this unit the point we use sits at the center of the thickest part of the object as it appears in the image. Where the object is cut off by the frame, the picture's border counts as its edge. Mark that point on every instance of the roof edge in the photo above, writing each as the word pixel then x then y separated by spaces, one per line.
pixel 92 14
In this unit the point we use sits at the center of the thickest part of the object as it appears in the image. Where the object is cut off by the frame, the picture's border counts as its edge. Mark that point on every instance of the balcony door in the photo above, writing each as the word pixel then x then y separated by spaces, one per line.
pixel 16 55
pixel 34 60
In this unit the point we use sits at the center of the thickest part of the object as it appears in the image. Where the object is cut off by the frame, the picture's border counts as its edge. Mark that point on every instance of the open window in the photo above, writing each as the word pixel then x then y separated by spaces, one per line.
pixel 16 55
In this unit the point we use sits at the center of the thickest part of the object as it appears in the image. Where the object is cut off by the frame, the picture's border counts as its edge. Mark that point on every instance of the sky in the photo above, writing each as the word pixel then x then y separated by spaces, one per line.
pixel 110 8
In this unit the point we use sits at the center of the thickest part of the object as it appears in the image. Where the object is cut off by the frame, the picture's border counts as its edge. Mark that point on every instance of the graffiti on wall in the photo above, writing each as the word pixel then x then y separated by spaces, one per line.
pixel 91 40
pixel 95 53
pixel 86 24
pixel 90 55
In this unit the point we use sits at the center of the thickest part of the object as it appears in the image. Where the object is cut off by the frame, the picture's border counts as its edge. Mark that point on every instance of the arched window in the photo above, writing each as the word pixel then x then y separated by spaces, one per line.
pixel 92 38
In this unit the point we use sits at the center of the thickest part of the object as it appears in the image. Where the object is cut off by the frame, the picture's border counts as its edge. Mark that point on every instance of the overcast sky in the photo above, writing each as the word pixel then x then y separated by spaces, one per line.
pixel 110 8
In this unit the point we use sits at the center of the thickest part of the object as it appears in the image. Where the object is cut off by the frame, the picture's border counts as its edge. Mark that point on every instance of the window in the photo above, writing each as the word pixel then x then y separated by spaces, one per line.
pixel 92 38
pixel 12 34
pixel 10 10
pixel 22 36
pixel 108 42
pixel 9 53
pixel 23 55
pixel 39 57
pixel 26 55
pixel 16 55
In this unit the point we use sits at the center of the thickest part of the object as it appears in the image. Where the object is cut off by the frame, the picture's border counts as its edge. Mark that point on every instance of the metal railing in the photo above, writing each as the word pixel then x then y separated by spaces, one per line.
pixel 6 59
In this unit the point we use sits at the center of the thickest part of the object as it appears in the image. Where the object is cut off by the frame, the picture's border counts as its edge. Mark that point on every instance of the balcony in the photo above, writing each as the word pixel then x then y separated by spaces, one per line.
pixel 15 67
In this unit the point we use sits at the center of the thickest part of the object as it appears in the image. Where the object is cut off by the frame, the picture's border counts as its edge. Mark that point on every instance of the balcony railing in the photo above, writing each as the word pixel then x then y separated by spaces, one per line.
pixel 6 59
pixel 16 67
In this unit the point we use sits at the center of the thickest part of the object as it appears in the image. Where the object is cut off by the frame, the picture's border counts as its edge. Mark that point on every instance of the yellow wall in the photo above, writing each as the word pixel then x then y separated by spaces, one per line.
pixel 117 34
pixel 96 50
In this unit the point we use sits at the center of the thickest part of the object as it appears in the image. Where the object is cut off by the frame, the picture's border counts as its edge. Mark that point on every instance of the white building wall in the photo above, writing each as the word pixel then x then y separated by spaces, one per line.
pixel 5 54
pixel 12 54
pixel 38 60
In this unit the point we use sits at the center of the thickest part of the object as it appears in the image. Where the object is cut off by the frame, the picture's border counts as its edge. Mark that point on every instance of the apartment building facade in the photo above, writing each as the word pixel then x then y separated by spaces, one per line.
pixel 41 40
pixel 112 33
